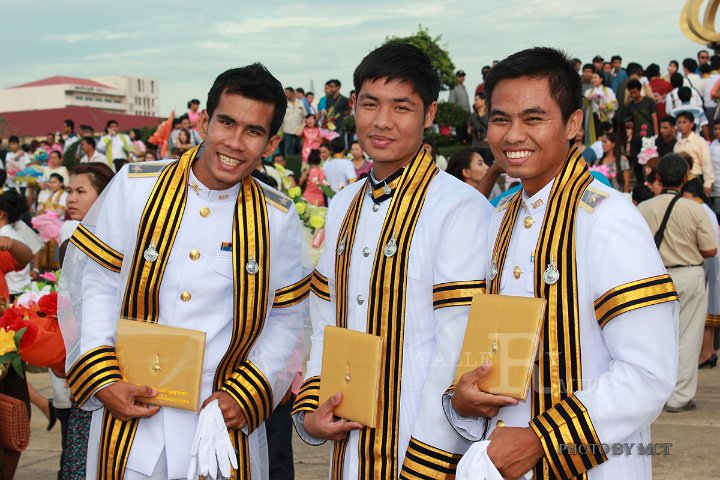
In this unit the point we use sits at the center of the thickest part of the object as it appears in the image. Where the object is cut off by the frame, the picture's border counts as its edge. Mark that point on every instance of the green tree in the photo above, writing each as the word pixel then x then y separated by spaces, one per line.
pixel 437 53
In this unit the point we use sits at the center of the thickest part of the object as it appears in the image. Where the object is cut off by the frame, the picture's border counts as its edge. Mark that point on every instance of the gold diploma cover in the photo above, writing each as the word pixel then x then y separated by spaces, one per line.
pixel 504 331
pixel 351 365
pixel 168 359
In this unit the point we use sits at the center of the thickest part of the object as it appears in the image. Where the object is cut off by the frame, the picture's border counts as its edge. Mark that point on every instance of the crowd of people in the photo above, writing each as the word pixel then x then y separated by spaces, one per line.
pixel 617 131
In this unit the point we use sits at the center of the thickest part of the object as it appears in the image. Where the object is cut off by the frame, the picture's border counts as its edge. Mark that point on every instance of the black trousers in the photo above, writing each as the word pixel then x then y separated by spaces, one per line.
pixel 279 437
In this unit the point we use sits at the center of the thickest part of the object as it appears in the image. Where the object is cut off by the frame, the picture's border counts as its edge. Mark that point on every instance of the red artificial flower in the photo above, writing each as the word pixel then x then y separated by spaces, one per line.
pixel 29 336
pixel 9 317
pixel 48 304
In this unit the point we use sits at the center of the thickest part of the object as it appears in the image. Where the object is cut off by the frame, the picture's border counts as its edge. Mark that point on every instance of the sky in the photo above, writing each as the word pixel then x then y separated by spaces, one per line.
pixel 185 45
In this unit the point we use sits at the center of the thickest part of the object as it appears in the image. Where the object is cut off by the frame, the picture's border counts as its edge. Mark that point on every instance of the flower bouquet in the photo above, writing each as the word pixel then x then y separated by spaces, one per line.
pixel 48 226
pixel 29 330
pixel 313 219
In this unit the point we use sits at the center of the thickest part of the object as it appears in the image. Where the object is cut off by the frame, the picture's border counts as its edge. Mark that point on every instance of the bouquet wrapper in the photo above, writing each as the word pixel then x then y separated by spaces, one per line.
pixel 48 348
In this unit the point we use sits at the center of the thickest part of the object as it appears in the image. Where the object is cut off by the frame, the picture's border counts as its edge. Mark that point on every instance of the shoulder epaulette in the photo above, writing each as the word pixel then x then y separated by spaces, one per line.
pixel 147 169
pixel 592 198
pixel 275 198
pixel 503 204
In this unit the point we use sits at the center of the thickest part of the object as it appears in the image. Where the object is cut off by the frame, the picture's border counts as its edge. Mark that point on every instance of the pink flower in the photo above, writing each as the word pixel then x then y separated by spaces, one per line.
pixel 49 276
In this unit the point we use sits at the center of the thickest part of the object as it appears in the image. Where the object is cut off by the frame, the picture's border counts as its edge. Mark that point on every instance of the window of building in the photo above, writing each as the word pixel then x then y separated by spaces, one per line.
pixel 89 99
pixel 152 86
pixel 98 99
pixel 108 100
pixel 116 101
pixel 78 98
pixel 139 87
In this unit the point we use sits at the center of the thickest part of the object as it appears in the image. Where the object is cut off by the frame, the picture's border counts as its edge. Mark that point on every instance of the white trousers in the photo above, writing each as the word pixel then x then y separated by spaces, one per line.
pixel 159 472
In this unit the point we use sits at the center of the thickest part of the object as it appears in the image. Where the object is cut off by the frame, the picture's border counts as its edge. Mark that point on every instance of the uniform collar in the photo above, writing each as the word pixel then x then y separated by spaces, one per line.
pixel 382 190
pixel 537 202
pixel 195 187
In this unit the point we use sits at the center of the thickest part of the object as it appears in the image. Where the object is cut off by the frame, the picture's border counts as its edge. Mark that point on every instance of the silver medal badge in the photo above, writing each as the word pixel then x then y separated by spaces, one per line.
pixel 341 246
pixel 391 247
pixel 386 190
pixel 493 270
pixel 252 266
pixel 551 275
pixel 150 254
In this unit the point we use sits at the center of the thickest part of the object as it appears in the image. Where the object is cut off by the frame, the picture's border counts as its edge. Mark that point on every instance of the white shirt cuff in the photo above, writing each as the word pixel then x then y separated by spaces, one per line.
pixel 470 428
pixel 299 422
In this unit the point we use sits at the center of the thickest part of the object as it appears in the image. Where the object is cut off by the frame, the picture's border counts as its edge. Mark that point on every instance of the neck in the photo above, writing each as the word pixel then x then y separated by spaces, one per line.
pixel 685 135
pixel 338 155
pixel 534 185
pixel 385 169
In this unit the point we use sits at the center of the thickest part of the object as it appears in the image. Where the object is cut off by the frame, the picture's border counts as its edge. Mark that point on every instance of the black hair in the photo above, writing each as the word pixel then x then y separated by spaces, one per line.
pixel 58 177
pixel 691 64
pixel 289 89
pixel 672 170
pixel 715 62
pixel 195 101
pixel 309 93
pixel 705 68
pixel 615 57
pixel 310 115
pixel 254 82
pixel 13 139
pixel 14 204
pixel 110 122
pixel 459 161
pixel 686 115
pixel 669 119
pixel 90 141
pixel 695 188
pixel 576 61
pixel 69 123
pixel 674 62
pixel 314 157
pixel 55 152
pixel 641 193
pixel 334 81
pixel 184 116
pixel 278 154
pixel 3 176
pixel 176 122
pixel 402 62
pixel 633 84
pixel 702 51
pixel 652 70
pixel 50 133
pixel 99 173
pixel 300 90
pixel 684 94
pixel 588 66
pixel 433 147
pixel 337 145
pixel 634 68
pixel 598 58
pixel 676 80
pixel 136 131
pixel 87 128
pixel 565 84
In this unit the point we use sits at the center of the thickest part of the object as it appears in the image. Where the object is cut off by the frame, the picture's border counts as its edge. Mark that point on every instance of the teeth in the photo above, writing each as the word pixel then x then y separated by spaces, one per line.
pixel 521 154
pixel 229 161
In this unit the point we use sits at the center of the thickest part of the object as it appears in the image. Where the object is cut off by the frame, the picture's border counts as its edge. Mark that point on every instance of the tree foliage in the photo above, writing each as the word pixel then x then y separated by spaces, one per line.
pixel 438 55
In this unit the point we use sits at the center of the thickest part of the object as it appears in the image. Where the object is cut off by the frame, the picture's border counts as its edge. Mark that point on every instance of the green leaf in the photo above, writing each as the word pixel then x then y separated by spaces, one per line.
pixel 18 336
pixel 17 365
pixel 7 358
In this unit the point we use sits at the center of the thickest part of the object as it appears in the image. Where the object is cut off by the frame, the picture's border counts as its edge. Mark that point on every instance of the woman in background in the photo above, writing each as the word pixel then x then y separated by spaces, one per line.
pixel 362 165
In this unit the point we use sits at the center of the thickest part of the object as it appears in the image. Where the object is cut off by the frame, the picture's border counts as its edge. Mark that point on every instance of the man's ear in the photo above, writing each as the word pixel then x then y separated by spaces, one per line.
pixel 573 125
pixel 271 146
pixel 203 124
pixel 430 114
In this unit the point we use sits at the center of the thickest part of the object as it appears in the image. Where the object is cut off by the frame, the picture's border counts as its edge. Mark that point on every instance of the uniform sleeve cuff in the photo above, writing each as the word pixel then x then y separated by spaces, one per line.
pixel 251 390
pixel 428 462
pixel 308 397
pixel 94 370
pixel 470 428
pixel 569 439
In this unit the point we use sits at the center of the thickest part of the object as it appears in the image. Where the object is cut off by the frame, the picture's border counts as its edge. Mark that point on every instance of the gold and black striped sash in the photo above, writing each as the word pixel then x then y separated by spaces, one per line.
pixel 378 448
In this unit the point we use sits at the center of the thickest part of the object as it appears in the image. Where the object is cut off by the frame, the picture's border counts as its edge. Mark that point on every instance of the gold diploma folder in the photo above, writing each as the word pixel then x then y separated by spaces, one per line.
pixel 351 365
pixel 168 359
pixel 504 331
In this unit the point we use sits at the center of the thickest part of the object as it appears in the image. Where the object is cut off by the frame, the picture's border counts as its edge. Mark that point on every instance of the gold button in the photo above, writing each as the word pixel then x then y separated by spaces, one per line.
pixel 517 271
pixel 185 296
pixel 194 254
pixel 500 424
pixel 528 221
pixel 204 212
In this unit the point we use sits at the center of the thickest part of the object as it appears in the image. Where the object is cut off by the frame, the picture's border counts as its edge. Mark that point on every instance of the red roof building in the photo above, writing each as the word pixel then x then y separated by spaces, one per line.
pixel 38 123
pixel 60 80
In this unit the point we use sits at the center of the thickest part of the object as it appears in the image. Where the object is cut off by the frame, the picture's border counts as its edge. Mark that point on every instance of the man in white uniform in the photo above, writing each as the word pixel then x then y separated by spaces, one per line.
pixel 196 244
pixel 402 261
pixel 607 359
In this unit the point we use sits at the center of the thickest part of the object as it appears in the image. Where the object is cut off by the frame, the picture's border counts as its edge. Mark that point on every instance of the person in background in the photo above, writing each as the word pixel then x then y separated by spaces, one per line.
pixel 310 97
pixel 714 198
pixel 51 145
pixel 150 156
pixel 182 144
pixel 292 125
pixel 588 153
pixel 641 193
pixel 325 152
pixel 311 136
pixel 86 184
pixel 15 160
pixel 114 145
pixel 311 179
pixel 14 255
pixel 54 165
pixel 193 112
pixel 684 94
pixel 643 111
pixel 694 145
pixel 467 166
pixel 686 240
pixel 90 155
pixel 477 122
pixel 693 190
pixel 430 145
pixel 362 165
pixel 138 149
pixel 665 141
pixel 603 104
pixel 68 134
pixel 672 69
pixel 615 165
pixel 339 171
pixel 659 86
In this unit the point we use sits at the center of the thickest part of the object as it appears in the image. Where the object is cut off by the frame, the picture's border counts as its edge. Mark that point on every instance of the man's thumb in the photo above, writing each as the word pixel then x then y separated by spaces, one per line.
pixel 474 375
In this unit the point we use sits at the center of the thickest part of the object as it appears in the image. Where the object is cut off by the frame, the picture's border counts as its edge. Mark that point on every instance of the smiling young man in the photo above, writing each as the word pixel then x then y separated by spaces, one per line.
pixel 404 256
pixel 197 244
pixel 607 359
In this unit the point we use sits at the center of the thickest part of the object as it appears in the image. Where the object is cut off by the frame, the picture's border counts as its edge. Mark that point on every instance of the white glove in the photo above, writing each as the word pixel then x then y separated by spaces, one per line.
pixel 476 465
pixel 203 455
pixel 224 450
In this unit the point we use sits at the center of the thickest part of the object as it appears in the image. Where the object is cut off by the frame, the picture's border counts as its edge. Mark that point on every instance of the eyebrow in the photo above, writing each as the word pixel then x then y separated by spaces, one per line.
pixel 395 100
pixel 527 111
pixel 227 118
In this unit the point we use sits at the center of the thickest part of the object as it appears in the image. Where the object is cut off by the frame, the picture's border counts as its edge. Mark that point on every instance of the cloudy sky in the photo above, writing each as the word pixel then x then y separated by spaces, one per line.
pixel 186 44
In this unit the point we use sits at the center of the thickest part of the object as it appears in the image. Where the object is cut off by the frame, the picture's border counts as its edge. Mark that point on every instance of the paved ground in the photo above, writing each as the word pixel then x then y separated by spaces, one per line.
pixel 693 435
